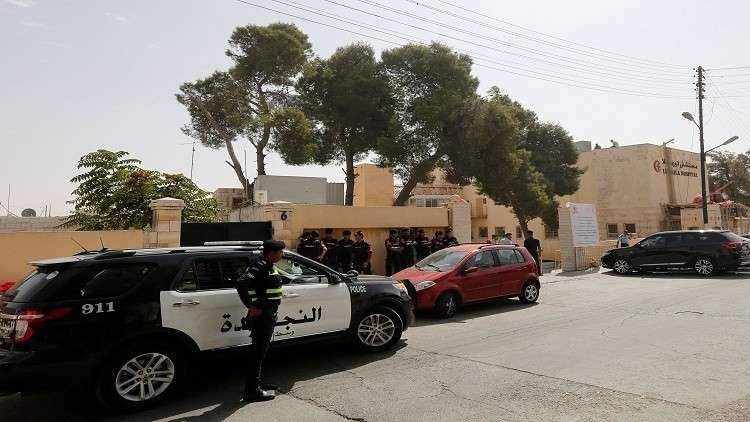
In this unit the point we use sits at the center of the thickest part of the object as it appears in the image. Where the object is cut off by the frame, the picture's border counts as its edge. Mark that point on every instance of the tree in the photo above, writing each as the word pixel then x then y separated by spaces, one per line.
pixel 730 173
pixel 347 97
pixel 546 168
pixel 113 193
pixel 267 58
pixel 243 102
pixel 431 85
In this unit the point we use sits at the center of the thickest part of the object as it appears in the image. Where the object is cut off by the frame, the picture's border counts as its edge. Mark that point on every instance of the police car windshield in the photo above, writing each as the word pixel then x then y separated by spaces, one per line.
pixel 441 260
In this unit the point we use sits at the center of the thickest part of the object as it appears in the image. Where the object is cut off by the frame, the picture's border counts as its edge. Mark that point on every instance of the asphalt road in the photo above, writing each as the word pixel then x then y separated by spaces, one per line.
pixel 596 347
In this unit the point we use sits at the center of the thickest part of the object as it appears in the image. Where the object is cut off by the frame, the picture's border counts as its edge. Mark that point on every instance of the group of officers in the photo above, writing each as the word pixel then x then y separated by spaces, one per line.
pixel 403 248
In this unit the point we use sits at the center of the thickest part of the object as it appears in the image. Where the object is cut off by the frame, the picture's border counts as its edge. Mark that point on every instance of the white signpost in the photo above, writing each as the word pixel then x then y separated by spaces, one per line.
pixel 584 224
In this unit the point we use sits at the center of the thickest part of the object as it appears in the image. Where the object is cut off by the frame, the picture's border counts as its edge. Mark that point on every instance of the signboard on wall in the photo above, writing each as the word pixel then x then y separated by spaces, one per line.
pixel 584 224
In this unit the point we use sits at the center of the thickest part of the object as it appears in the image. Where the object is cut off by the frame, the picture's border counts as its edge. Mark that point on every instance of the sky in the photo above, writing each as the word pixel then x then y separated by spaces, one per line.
pixel 79 75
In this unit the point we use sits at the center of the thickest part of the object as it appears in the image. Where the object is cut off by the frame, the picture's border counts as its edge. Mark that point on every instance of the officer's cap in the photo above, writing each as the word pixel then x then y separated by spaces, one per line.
pixel 273 245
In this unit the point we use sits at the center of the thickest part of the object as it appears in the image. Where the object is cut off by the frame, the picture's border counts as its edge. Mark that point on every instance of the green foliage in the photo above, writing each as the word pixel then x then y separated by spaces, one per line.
pixel 547 169
pixel 732 173
pixel 347 97
pixel 431 85
pixel 113 193
pixel 246 101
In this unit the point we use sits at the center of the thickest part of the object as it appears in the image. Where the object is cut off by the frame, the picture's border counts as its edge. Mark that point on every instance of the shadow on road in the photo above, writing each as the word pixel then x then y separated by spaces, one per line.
pixel 469 312
pixel 213 388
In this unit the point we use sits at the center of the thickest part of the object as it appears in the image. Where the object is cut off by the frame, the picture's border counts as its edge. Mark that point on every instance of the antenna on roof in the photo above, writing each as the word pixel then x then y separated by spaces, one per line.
pixel 102 242
pixel 77 243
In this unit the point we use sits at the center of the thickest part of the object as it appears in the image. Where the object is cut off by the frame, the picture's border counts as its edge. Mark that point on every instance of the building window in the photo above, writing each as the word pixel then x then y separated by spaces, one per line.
pixel 550 233
pixel 519 235
pixel 500 231
pixel 483 231
pixel 630 227
pixel 612 231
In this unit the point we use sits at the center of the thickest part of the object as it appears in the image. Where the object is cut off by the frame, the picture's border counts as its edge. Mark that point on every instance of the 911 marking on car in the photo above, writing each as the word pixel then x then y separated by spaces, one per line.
pixel 98 308
pixel 358 288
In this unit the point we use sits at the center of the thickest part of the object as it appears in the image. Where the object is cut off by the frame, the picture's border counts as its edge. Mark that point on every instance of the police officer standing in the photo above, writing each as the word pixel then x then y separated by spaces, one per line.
pixel 361 254
pixel 409 253
pixel 437 242
pixel 393 250
pixel 260 291
pixel 330 243
pixel 449 240
pixel 311 247
pixel 423 245
pixel 345 251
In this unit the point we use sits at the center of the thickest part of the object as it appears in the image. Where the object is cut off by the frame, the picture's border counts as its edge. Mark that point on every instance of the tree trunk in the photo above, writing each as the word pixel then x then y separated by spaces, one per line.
pixel 237 167
pixel 260 154
pixel 421 169
pixel 349 179
pixel 523 222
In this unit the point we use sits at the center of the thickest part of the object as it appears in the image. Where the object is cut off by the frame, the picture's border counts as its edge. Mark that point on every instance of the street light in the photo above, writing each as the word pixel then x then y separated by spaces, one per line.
pixel 727 142
pixel 690 117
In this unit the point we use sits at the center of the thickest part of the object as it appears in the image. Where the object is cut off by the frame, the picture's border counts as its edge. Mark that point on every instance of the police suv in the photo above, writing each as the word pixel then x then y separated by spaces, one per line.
pixel 128 321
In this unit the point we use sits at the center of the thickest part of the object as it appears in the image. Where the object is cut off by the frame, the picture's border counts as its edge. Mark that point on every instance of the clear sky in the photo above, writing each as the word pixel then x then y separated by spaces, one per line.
pixel 78 75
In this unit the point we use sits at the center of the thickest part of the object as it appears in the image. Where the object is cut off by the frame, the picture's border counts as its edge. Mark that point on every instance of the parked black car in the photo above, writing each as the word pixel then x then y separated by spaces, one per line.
pixel 706 252
pixel 129 322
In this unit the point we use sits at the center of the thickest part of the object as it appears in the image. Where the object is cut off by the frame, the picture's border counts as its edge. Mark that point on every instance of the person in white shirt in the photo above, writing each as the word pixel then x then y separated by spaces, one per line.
pixel 624 239
pixel 506 240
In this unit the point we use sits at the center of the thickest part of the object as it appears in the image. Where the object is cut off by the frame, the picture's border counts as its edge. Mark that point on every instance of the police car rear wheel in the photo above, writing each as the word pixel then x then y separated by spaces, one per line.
pixel 140 376
pixel 379 329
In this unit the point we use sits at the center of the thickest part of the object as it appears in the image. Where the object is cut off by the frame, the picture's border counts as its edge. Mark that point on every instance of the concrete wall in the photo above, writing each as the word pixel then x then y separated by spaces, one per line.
pixel 374 222
pixel 373 186
pixel 300 190
pixel 18 249
pixel 9 224
pixel 335 194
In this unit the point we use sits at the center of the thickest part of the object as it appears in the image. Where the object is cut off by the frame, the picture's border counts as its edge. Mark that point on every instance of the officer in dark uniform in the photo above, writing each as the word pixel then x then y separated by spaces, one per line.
pixel 330 243
pixel 437 241
pixel 409 253
pixel 311 247
pixel 361 254
pixel 393 250
pixel 449 240
pixel 345 251
pixel 423 245
pixel 260 291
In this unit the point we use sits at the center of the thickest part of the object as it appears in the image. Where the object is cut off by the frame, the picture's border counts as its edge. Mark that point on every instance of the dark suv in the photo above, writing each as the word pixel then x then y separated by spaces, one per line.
pixel 128 322
pixel 706 252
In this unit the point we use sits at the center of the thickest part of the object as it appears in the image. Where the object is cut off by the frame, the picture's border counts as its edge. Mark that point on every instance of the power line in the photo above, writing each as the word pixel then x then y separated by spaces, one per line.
pixel 729 68
pixel 558 38
pixel 557 45
pixel 583 85
pixel 476 55
pixel 542 53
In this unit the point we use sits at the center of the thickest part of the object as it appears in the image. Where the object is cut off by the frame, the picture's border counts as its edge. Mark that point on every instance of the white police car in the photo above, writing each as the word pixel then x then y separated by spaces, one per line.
pixel 129 321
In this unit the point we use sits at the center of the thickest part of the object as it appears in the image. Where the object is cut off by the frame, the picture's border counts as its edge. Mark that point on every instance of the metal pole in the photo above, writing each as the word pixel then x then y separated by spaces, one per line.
pixel 192 162
pixel 703 153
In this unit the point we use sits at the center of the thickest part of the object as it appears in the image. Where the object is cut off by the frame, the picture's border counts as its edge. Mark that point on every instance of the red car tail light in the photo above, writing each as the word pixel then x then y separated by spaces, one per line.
pixel 30 320
pixel 5 286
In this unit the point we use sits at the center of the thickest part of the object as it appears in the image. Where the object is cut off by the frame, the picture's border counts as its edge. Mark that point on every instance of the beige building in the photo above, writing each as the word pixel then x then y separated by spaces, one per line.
pixel 630 186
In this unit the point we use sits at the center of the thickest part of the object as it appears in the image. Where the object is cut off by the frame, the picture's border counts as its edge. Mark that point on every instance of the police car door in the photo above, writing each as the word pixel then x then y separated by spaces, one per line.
pixel 204 303
pixel 310 303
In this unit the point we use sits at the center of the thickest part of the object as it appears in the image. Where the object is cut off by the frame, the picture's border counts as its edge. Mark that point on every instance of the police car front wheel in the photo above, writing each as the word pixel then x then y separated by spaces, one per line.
pixel 139 376
pixel 379 329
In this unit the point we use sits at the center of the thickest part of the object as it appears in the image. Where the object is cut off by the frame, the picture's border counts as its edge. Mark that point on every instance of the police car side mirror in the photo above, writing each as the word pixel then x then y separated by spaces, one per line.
pixel 352 273
pixel 334 279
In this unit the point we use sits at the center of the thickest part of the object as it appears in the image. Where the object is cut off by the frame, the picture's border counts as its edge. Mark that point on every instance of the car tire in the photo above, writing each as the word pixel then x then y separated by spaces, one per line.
pixel 447 305
pixel 378 330
pixel 704 266
pixel 529 292
pixel 622 266
pixel 140 376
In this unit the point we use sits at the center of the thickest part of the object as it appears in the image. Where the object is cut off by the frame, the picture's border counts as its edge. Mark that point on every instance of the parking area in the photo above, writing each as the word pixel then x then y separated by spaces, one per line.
pixel 596 347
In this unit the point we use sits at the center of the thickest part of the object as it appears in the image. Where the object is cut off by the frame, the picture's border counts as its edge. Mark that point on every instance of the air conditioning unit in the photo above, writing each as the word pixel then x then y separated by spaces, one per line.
pixel 260 197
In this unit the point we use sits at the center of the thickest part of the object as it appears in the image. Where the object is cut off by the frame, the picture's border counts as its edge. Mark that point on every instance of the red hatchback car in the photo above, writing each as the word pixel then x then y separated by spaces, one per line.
pixel 471 273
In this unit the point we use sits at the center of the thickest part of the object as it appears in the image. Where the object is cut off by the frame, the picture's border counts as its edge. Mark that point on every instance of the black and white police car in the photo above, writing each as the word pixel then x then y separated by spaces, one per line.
pixel 128 322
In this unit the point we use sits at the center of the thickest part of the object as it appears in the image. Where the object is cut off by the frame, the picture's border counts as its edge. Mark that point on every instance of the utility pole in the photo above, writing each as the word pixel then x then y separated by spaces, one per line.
pixel 700 91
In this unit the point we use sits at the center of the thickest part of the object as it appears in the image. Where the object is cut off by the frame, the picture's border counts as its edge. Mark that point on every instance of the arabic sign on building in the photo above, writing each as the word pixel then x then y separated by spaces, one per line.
pixel 584 224
pixel 679 168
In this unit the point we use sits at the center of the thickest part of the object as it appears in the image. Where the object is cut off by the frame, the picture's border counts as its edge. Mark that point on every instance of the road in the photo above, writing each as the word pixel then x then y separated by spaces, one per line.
pixel 595 347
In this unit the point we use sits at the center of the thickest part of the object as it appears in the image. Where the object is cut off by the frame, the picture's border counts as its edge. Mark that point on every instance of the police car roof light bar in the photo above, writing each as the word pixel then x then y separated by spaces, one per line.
pixel 235 243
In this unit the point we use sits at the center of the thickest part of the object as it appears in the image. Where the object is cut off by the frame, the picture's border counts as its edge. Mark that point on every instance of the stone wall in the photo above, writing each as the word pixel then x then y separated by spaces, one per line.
pixel 10 224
